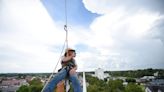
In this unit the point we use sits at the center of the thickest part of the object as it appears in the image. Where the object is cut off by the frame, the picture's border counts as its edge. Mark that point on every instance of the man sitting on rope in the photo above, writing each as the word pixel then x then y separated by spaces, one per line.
pixel 69 68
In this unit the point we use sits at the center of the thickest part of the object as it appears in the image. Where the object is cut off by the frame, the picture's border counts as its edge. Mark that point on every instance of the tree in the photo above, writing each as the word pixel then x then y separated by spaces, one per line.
pixel 23 88
pixel 115 86
pixel 92 88
pixel 35 81
pixel 95 84
pixel 130 80
pixel 35 86
pixel 131 87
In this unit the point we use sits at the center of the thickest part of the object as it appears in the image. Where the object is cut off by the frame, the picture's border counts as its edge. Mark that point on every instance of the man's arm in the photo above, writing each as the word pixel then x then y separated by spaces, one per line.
pixel 75 67
pixel 73 70
pixel 66 59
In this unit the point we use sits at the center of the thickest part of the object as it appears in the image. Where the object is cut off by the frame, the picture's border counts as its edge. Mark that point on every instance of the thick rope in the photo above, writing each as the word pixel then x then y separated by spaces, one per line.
pixel 65 26
pixel 65 44
pixel 55 66
pixel 66 12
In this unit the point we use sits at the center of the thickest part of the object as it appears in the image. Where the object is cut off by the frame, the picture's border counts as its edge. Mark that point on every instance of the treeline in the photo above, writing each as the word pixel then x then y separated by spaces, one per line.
pixel 19 75
pixel 137 73
pixel 130 73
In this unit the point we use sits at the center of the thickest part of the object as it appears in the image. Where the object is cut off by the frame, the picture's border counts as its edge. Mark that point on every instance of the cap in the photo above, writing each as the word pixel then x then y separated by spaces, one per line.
pixel 69 49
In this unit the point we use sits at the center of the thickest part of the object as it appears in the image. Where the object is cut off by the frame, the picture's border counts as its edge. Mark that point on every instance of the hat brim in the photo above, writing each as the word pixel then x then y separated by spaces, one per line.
pixel 72 50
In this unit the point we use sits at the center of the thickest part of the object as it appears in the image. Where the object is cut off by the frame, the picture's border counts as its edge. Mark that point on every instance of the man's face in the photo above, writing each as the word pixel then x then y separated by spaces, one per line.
pixel 73 53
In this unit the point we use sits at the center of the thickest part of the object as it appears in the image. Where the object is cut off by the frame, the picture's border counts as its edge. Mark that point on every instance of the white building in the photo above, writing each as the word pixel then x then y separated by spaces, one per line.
pixel 156 74
pixel 99 73
pixel 148 77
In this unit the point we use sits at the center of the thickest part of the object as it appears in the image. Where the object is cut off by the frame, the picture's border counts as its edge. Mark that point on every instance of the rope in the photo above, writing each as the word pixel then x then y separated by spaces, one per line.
pixel 65 44
pixel 66 12
pixel 55 67
pixel 65 26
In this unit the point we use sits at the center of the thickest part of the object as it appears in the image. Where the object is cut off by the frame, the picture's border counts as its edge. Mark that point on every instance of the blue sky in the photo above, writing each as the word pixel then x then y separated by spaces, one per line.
pixel 77 14
pixel 108 34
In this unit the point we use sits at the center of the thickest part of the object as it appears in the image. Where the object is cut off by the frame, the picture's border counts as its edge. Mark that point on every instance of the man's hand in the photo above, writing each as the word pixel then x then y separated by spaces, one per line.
pixel 72 71
pixel 65 59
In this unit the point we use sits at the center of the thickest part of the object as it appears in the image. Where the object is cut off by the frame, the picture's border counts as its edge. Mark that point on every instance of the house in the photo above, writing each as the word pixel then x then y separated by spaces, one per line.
pixel 155 86
pixel 28 78
pixel 145 79
pixel 9 89
pixel 14 82
pixel 152 88
pixel 148 78
pixel 12 85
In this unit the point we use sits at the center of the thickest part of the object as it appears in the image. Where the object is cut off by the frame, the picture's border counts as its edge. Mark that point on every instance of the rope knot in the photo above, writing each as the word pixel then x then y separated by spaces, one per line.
pixel 65 27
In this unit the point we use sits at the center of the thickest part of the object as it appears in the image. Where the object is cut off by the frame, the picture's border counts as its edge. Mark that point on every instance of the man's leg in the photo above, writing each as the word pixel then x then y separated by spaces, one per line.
pixel 56 79
pixel 75 83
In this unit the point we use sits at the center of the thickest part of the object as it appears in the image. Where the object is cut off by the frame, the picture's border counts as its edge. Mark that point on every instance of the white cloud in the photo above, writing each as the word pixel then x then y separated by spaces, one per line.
pixel 119 31
pixel 28 29
pixel 98 6
pixel 131 6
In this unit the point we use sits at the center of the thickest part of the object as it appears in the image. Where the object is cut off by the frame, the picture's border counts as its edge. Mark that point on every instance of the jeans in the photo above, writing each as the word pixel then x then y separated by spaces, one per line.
pixel 60 76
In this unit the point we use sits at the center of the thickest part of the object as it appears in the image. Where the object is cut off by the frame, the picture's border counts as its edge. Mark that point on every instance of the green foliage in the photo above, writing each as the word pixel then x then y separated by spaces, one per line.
pixel 130 80
pixel 35 86
pixel 96 85
pixel 115 86
pixel 137 73
pixel 131 87
pixel 35 81
pixel 23 88
pixel 92 88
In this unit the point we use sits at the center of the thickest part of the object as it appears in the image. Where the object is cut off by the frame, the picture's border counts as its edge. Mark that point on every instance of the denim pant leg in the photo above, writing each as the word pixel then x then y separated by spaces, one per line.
pixel 75 83
pixel 55 80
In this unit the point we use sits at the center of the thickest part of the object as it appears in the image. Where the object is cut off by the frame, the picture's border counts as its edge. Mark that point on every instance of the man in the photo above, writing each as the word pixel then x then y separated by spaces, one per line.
pixel 69 68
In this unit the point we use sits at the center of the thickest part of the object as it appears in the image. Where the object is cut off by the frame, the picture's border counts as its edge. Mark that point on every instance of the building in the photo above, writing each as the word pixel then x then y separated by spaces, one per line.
pixel 12 85
pixel 156 74
pixel 99 73
pixel 155 86
pixel 148 78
